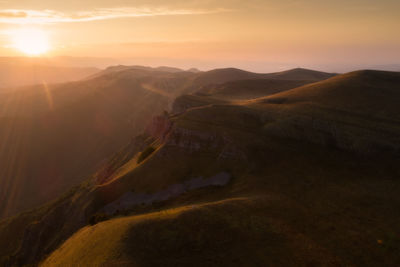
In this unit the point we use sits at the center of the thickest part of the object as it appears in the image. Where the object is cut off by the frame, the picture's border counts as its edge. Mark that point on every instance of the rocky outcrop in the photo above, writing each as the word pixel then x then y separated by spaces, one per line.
pixel 130 199
pixel 107 170
pixel 190 140
pixel 159 127
pixel 193 140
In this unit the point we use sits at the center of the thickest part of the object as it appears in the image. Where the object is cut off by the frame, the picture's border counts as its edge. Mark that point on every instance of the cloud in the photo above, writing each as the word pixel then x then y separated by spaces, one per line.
pixel 19 16
pixel 13 14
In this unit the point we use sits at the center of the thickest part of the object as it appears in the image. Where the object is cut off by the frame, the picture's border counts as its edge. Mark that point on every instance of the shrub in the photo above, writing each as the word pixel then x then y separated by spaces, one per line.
pixel 145 153
pixel 98 217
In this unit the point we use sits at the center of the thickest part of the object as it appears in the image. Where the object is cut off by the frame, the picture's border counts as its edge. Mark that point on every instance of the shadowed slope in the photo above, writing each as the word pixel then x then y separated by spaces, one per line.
pixel 301 74
pixel 226 85
pixel 220 76
pixel 346 203
pixel 229 232
pixel 53 136
pixel 373 93
pixel 357 111
pixel 249 89
pixel 308 185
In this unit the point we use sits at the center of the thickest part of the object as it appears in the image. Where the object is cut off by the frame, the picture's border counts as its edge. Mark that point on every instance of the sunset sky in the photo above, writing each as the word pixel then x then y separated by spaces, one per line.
pixel 253 34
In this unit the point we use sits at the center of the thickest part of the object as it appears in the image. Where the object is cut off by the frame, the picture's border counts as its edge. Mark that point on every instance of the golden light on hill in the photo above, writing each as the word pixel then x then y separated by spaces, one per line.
pixel 30 41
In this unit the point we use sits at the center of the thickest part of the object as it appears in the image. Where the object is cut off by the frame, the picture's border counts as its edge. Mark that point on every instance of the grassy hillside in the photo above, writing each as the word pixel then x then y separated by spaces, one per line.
pixel 289 203
pixel 373 93
pixel 280 180
pixel 229 232
pixel 220 76
pixel 53 136
pixel 357 111
pixel 249 89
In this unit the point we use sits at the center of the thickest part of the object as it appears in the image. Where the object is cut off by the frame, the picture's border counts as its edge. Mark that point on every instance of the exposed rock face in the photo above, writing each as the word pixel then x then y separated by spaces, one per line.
pixel 130 199
pixel 106 172
pixel 65 217
pixel 159 127
pixel 191 141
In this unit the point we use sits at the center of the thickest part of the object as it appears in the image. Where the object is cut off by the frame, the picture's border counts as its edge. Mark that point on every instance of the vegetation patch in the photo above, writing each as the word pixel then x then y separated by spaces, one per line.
pixel 145 154
pixel 98 217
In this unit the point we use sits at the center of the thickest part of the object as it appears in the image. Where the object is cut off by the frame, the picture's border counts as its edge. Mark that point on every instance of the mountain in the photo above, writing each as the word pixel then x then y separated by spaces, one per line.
pixel 136 67
pixel 370 88
pixel 301 74
pixel 232 74
pixel 357 111
pixel 338 111
pixel 221 76
pixel 304 177
pixel 227 85
pixel 249 89
pixel 194 70
pixel 53 136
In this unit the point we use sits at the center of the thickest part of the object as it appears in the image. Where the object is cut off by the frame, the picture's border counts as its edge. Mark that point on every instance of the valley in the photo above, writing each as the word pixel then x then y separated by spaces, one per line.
pixel 226 167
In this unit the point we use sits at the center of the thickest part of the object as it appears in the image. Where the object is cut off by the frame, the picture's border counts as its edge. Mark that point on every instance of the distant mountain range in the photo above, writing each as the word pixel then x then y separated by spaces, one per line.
pixel 190 168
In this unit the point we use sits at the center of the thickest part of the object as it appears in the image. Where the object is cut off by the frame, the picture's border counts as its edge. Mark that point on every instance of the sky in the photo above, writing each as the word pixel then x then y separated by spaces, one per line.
pixel 259 35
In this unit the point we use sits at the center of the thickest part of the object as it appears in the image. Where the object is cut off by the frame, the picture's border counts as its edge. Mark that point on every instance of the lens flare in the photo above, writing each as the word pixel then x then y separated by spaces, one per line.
pixel 30 41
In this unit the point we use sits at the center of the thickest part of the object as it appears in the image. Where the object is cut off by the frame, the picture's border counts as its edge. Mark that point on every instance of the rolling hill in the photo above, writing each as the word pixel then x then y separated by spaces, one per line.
pixel 220 76
pixel 360 91
pixel 304 177
pixel 357 111
pixel 249 89
pixel 52 136
pixel 248 239
pixel 55 135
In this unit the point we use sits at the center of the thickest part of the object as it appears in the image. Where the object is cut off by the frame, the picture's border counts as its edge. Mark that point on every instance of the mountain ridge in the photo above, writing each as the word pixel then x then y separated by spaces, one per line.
pixel 329 166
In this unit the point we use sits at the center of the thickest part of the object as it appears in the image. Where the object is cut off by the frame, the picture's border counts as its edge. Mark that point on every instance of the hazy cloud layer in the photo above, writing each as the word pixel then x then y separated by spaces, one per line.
pixel 19 16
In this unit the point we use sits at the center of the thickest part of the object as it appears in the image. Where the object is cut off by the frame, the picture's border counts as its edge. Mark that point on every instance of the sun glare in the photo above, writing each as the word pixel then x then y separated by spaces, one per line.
pixel 30 41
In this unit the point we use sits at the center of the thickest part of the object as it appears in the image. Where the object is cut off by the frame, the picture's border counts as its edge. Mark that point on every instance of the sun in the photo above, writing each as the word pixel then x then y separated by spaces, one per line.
pixel 30 41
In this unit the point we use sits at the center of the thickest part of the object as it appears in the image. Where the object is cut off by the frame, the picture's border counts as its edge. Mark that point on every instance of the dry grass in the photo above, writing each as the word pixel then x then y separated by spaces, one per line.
pixel 291 202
